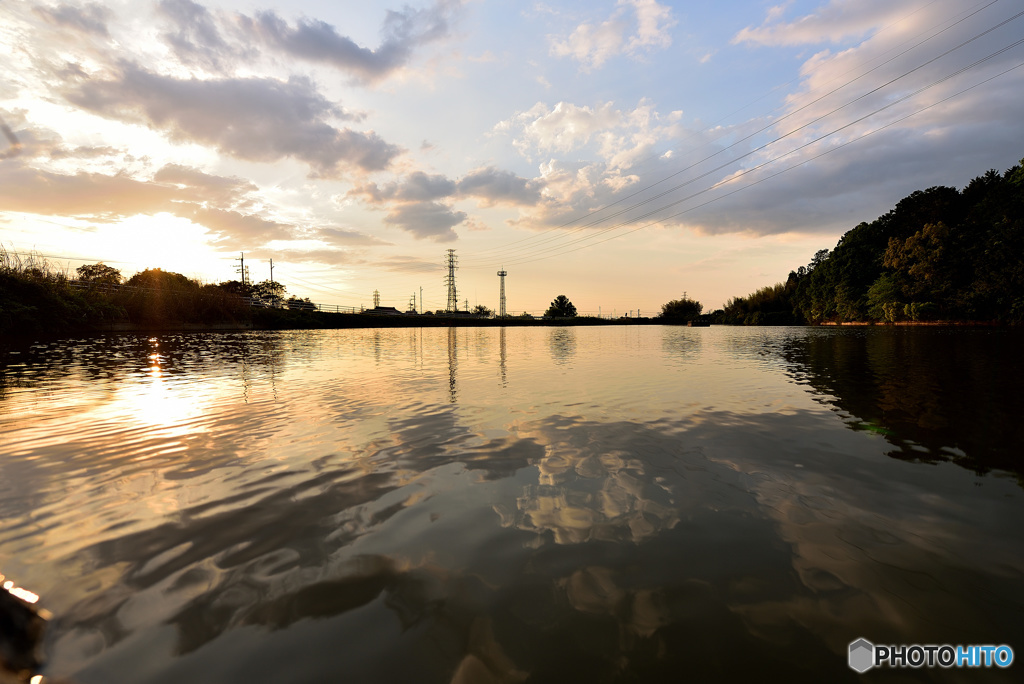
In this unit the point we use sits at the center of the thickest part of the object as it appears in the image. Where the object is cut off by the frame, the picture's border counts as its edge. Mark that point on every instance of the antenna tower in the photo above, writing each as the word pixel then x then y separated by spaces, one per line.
pixel 449 280
pixel 501 306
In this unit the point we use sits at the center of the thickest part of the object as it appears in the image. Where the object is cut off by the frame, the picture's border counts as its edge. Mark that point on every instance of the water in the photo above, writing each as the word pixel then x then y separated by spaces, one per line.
pixel 530 504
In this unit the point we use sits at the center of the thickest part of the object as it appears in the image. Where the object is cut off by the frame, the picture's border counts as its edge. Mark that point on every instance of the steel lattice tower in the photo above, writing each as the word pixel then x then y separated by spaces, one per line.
pixel 449 280
pixel 501 306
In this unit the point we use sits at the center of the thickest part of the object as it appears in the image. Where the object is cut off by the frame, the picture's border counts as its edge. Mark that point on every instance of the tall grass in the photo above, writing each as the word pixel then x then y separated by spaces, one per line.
pixel 31 266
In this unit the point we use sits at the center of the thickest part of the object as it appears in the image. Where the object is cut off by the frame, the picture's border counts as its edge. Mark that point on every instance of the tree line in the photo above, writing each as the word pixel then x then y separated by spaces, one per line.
pixel 939 254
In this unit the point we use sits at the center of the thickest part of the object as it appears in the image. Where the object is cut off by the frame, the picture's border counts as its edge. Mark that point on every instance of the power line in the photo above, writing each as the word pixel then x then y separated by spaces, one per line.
pixel 524 258
pixel 564 235
pixel 779 173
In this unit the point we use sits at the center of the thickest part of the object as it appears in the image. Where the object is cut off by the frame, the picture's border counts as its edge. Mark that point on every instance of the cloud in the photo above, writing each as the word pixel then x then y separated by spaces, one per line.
pixel 409 264
pixel 836 21
pixel 248 228
pixel 317 41
pixel 89 18
pixel 488 185
pixel 204 187
pixel 493 186
pixel 620 137
pixel 592 45
pixel 426 220
pixel 196 40
pixel 256 119
pixel 343 236
pixel 881 112
pixel 417 205
pixel 329 257
pixel 184 192
pixel 35 191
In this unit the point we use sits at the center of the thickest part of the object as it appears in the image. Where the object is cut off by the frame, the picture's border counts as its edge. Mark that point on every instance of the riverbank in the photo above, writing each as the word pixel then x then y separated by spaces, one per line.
pixel 918 324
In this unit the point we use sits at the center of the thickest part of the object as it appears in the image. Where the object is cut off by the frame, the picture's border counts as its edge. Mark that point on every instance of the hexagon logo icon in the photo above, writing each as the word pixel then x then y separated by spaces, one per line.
pixel 862 655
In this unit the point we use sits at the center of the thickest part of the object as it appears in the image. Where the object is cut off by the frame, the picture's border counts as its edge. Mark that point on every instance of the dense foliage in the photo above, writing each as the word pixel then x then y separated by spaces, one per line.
pixel 561 307
pixel 681 310
pixel 940 254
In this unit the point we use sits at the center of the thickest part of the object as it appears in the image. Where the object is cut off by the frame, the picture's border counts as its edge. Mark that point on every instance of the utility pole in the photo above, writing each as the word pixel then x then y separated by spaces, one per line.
pixel 376 299
pixel 449 280
pixel 467 305
pixel 501 306
pixel 242 270
pixel 271 271
pixel 421 299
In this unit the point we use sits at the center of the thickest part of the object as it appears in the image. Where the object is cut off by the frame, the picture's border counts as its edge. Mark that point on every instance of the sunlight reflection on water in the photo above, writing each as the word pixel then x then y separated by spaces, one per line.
pixel 542 504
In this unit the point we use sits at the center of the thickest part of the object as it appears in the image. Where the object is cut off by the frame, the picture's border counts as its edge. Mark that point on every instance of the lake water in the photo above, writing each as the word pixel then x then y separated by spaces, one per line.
pixel 515 505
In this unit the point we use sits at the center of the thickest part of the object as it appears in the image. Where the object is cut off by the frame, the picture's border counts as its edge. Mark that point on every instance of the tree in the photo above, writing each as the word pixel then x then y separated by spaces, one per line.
pixel 269 292
pixel 481 310
pixel 236 287
pixel 159 279
pixel 682 309
pixel 100 274
pixel 561 307
pixel 300 303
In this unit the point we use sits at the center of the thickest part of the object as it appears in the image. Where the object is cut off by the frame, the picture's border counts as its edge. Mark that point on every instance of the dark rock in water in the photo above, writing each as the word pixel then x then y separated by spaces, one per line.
pixel 21 635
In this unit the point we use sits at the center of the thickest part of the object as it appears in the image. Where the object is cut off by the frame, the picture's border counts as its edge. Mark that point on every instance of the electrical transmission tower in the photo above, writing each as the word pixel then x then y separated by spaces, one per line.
pixel 501 306
pixel 376 299
pixel 449 280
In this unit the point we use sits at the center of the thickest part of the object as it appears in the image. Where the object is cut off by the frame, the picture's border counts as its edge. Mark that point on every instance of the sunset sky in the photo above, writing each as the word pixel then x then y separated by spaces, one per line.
pixel 618 152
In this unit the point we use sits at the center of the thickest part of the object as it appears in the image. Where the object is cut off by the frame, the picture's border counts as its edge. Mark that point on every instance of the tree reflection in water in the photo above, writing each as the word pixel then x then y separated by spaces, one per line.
pixel 376 507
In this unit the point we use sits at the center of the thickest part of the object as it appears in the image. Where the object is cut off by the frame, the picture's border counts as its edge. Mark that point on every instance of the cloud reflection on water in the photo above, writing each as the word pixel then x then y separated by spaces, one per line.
pixel 435 505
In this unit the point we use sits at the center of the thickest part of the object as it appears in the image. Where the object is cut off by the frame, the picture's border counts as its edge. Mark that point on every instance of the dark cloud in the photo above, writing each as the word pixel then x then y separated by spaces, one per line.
pixel 416 187
pixel 489 185
pixel 427 220
pixel 494 186
pixel 256 119
pixel 89 18
pixel 318 41
pixel 414 203
pixel 195 39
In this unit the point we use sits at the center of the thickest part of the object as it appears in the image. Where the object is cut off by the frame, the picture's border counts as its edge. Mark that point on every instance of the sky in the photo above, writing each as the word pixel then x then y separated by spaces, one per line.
pixel 619 152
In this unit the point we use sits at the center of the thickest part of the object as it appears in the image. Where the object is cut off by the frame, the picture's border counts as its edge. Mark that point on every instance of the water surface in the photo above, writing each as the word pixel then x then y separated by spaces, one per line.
pixel 522 504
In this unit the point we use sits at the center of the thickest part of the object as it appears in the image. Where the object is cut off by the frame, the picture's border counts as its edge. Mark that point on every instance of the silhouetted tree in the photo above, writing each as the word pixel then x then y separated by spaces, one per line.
pixel 297 303
pixel 269 292
pixel 561 307
pixel 159 279
pixel 681 310
pixel 99 273
pixel 481 310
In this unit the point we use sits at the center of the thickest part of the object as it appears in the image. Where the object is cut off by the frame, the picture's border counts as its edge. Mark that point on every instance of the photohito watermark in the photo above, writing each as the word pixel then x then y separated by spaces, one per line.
pixel 865 655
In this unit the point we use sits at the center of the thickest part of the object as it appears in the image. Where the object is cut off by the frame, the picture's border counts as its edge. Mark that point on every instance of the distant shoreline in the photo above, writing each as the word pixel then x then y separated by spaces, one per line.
pixel 304 320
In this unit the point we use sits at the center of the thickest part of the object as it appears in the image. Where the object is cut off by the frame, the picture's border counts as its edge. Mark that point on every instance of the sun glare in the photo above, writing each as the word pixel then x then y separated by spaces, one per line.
pixel 161 241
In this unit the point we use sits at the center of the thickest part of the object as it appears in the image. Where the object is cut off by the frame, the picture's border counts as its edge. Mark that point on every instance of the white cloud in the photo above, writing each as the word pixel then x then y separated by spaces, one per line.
pixel 836 21
pixel 621 34
pixel 617 137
